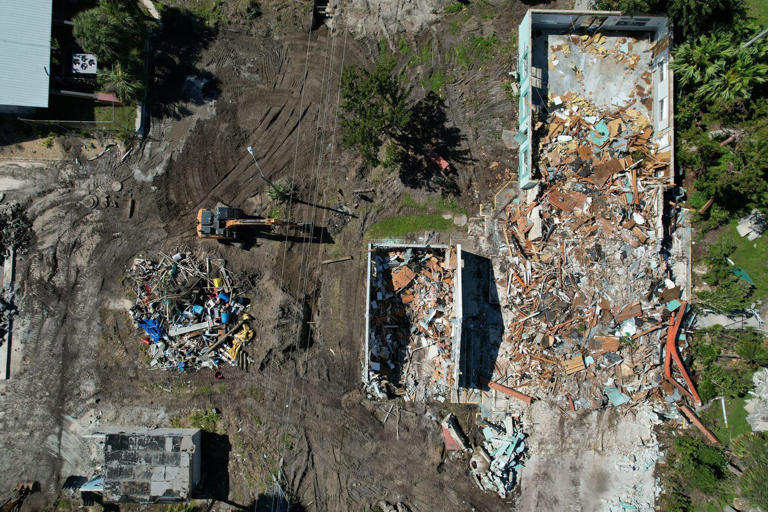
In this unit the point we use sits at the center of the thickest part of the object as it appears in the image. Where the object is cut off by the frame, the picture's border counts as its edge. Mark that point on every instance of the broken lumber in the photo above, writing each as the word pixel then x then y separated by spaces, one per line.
pixel 506 390
pixel 699 425
pixel 337 260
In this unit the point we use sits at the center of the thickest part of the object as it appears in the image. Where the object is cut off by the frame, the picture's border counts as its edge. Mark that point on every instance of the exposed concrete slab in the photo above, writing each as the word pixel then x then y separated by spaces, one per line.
pixel 602 80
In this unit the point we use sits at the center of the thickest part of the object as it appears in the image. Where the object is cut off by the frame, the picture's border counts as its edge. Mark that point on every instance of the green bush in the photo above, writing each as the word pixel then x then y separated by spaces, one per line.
pixel 717 378
pixel 752 449
pixel 701 466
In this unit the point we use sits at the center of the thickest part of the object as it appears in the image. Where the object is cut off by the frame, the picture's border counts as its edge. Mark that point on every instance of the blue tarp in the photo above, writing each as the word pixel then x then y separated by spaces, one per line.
pixel 153 329
pixel 742 274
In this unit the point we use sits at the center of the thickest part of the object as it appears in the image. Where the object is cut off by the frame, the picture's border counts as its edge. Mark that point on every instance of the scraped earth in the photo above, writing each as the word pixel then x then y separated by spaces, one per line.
pixel 299 412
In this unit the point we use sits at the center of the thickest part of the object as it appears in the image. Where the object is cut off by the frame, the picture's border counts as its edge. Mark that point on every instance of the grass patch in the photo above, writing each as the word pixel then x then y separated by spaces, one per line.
pixel 122 118
pixel 759 10
pixel 476 51
pixel 436 203
pixel 207 11
pixel 737 419
pixel 286 441
pixel 397 227
pixel 424 57
pixel 204 420
pixel 751 256
pixel 435 83
pixel 454 8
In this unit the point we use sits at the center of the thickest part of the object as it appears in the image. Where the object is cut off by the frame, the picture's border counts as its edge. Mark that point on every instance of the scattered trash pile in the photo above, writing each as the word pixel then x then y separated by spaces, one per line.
pixel 191 310
pixel 495 464
pixel 757 406
pixel 412 323
pixel 588 286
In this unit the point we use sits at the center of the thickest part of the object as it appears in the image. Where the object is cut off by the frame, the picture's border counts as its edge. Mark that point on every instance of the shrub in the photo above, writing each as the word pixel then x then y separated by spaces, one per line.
pixel 702 466
pixel 752 449
pixel 454 8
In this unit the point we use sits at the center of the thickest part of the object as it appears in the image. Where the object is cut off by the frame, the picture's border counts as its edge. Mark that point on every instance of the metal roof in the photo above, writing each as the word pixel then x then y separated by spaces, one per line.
pixel 25 52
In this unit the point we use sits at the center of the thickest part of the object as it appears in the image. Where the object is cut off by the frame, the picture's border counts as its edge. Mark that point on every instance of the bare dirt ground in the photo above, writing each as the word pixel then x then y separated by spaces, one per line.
pixel 79 361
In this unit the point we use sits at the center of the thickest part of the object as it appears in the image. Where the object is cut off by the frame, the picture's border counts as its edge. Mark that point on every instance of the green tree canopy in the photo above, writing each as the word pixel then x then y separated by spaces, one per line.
pixel 375 108
pixel 114 30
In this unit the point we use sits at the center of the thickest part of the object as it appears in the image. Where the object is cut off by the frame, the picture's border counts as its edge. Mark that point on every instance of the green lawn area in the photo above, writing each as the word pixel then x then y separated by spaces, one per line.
pixel 399 227
pixel 752 257
pixel 737 419
pixel 436 203
pixel 124 117
pixel 758 9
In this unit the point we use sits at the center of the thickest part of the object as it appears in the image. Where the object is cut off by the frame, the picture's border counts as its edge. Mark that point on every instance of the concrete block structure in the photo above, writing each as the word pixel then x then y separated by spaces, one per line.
pixel 149 465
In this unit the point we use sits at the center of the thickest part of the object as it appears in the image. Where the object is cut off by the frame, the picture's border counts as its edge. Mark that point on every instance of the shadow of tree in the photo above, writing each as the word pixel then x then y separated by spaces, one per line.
pixel 175 51
pixel 431 148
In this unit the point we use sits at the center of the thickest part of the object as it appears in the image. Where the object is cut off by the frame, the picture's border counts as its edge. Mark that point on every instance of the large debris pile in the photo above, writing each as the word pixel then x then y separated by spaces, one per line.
pixel 587 286
pixel 496 463
pixel 192 311
pixel 412 322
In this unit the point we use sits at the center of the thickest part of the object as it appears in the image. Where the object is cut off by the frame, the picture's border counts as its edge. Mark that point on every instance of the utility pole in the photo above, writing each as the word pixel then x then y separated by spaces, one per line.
pixel 250 150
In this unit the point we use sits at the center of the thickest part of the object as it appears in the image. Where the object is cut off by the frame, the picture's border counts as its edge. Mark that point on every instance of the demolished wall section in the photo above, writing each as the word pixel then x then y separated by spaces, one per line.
pixel 413 321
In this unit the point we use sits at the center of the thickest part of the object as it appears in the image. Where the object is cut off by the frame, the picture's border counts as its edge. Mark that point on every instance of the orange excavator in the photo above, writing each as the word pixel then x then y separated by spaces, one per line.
pixel 226 224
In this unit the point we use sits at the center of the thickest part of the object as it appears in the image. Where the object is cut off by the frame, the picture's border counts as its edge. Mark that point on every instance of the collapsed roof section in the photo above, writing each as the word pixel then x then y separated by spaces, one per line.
pixel 605 73
pixel 413 321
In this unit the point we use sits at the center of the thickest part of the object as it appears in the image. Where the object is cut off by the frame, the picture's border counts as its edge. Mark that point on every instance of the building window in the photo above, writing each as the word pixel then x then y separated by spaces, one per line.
pixel 662 72
pixel 663 109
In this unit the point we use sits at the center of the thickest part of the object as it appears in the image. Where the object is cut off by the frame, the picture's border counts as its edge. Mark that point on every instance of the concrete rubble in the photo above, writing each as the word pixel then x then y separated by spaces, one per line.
pixel 191 311
pixel 495 464
pixel 412 323
pixel 757 407
pixel 752 226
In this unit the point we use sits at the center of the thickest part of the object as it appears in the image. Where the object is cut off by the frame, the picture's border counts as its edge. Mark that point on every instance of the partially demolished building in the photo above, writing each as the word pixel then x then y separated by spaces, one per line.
pixel 589 262
pixel 413 321
pixel 596 260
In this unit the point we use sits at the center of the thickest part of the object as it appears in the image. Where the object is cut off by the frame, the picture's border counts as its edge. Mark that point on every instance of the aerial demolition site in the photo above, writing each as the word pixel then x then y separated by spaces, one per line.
pixel 179 324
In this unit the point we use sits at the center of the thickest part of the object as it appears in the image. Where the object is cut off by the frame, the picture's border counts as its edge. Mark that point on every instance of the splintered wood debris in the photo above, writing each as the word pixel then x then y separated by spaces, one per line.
pixel 412 322
pixel 586 286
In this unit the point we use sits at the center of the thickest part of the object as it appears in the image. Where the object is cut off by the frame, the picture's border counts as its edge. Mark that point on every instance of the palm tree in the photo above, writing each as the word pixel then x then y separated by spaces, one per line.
pixel 733 81
pixel 111 29
pixel 697 61
pixel 122 83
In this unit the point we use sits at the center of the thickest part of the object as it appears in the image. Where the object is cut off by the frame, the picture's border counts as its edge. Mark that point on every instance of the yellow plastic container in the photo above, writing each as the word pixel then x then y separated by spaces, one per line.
pixel 218 282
